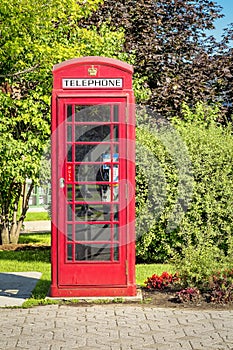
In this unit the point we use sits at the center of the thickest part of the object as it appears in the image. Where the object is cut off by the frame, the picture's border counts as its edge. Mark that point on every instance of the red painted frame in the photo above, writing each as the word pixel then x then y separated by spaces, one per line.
pixel 112 278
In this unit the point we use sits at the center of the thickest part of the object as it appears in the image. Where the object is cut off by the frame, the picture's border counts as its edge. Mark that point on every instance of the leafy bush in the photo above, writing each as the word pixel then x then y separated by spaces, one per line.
pixel 156 195
pixel 204 233
pixel 160 282
pixel 221 287
pixel 188 294
pixel 198 263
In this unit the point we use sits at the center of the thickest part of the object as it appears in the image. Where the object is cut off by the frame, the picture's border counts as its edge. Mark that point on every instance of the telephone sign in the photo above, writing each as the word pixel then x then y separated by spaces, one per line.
pixel 93 179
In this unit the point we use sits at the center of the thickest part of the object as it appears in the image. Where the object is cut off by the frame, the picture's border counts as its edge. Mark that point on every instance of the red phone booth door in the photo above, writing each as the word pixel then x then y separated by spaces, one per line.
pixel 92 202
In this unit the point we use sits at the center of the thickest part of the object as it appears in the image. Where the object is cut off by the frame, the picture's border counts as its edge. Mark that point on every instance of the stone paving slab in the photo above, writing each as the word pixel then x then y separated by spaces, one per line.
pixel 37 226
pixel 16 287
pixel 115 327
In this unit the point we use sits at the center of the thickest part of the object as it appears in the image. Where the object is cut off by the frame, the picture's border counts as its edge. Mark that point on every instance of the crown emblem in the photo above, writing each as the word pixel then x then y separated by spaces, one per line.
pixel 92 71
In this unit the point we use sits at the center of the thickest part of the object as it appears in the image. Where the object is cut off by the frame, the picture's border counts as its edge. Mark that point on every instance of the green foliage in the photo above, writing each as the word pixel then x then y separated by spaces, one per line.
pixel 168 39
pixel 211 152
pixel 163 186
pixel 221 286
pixel 204 233
pixel 30 44
pixel 155 175
pixel 198 263
pixel 207 226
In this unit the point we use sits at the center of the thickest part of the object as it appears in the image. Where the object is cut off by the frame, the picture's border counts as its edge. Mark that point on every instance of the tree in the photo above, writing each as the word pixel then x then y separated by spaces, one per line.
pixel 35 36
pixel 168 39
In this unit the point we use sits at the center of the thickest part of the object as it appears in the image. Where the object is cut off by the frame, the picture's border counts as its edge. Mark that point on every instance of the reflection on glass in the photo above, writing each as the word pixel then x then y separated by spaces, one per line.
pixel 88 193
pixel 115 213
pixel 69 113
pixel 93 232
pixel 115 133
pixel 69 133
pixel 116 252
pixel 92 113
pixel 69 193
pixel 69 212
pixel 115 113
pixel 69 252
pixel 92 133
pixel 91 153
pixel 69 232
pixel 95 193
pixel 69 153
pixel 93 212
pixel 116 233
pixel 87 172
pixel 96 252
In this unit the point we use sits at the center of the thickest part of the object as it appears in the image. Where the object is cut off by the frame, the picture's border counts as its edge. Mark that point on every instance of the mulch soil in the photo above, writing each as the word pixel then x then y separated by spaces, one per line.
pixel 168 298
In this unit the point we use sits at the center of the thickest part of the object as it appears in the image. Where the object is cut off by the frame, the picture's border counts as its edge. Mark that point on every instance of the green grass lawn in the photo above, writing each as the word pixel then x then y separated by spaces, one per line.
pixel 39 260
pixel 37 216
pixel 147 270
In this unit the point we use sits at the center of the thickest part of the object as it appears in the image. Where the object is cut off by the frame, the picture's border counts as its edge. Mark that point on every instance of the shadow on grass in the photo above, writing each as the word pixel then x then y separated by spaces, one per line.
pixel 42 237
pixel 42 289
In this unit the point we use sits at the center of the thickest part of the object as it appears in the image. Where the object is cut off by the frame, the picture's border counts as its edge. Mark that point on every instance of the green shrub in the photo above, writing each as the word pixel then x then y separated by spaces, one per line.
pixel 209 216
pixel 198 263
pixel 156 191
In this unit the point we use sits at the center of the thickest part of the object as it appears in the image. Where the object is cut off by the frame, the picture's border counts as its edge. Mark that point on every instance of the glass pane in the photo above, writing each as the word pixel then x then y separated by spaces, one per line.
pixel 92 133
pixel 115 133
pixel 115 173
pixel 88 172
pixel 98 252
pixel 69 153
pixel 108 193
pixel 96 193
pixel 116 233
pixel 115 213
pixel 69 113
pixel 87 193
pixel 69 212
pixel 69 193
pixel 93 212
pixel 69 133
pixel 69 233
pixel 92 232
pixel 115 113
pixel 116 252
pixel 91 153
pixel 69 252
pixel 94 113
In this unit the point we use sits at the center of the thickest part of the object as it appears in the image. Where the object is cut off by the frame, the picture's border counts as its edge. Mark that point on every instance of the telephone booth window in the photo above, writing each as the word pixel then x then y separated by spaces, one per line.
pixel 92 134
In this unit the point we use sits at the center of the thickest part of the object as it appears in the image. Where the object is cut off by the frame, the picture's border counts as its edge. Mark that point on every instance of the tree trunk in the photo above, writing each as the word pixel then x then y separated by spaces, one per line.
pixel 15 232
pixel 5 234
pixel 16 226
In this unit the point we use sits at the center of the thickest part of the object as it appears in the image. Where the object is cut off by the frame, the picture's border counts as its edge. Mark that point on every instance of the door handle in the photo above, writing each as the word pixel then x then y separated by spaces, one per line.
pixel 62 182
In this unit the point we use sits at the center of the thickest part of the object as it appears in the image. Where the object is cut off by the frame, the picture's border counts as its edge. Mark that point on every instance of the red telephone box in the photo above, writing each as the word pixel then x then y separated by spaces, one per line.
pixel 93 179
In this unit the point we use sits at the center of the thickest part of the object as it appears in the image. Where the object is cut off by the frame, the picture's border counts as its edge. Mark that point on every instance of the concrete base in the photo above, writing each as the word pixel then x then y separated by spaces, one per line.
pixel 136 298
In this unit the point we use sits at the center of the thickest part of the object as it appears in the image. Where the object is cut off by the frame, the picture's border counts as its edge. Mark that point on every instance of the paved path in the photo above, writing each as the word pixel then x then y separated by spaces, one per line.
pixel 114 327
pixel 16 287
pixel 37 226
